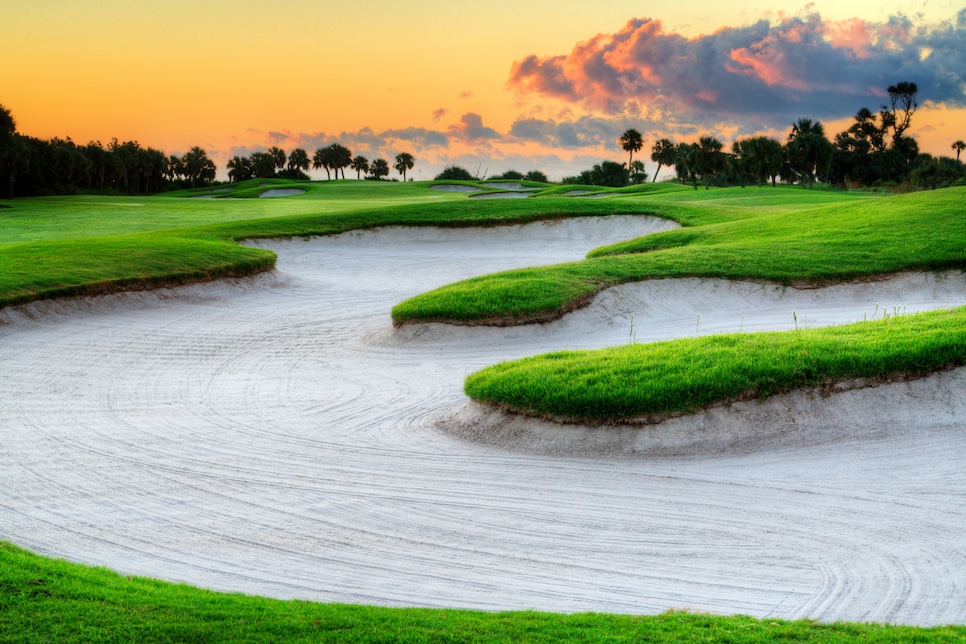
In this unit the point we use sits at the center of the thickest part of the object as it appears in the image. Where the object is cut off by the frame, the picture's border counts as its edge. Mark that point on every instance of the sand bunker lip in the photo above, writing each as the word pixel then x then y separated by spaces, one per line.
pixel 814 416
pixel 281 192
pixel 502 195
pixel 453 187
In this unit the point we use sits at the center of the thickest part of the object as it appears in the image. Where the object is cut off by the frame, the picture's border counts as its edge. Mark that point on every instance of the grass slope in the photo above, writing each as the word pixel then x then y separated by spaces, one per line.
pixel 787 236
pixel 681 376
pixel 61 246
pixel 43 600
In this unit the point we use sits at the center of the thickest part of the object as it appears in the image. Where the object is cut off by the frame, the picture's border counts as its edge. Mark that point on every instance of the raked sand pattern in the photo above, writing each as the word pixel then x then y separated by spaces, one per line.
pixel 276 436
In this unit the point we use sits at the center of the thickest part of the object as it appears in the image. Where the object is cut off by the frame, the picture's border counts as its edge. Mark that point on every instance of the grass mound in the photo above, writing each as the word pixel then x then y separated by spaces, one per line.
pixel 683 376
pixel 752 234
pixel 44 600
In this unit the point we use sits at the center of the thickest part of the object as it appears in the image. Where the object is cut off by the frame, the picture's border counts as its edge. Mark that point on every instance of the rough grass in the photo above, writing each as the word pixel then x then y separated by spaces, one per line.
pixel 47 600
pixel 682 376
pixel 785 236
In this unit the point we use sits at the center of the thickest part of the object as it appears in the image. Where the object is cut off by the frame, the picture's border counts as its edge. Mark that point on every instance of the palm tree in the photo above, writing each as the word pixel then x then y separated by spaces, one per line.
pixel 631 142
pixel 759 157
pixel 240 168
pixel 637 172
pixel 298 161
pixel 379 168
pixel 263 165
pixel 321 159
pixel 663 154
pixel 198 168
pixel 709 159
pixel 340 157
pixel 278 154
pixel 685 163
pixel 808 149
pixel 404 161
pixel 959 146
pixel 360 165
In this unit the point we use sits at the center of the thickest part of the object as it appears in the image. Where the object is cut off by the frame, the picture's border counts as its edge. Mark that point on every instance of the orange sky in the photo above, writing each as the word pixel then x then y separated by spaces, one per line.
pixel 234 76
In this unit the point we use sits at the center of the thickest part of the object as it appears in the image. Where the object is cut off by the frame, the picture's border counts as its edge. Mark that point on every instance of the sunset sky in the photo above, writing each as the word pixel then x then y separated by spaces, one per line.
pixel 528 84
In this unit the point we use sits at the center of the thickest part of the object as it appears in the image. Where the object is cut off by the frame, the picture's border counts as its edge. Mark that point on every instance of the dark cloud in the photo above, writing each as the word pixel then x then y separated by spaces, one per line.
pixel 438 114
pixel 586 131
pixel 471 128
pixel 419 136
pixel 800 65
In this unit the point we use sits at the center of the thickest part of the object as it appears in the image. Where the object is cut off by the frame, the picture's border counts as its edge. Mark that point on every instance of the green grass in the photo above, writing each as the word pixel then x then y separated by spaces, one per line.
pixel 682 376
pixel 62 246
pixel 787 236
pixel 48 600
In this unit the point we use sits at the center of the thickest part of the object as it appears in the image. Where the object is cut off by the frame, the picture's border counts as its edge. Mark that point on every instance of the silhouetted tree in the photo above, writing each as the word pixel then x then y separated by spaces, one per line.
pixel 454 173
pixel 958 146
pixel 263 165
pixel 685 163
pixel 637 172
pixel 404 161
pixel 360 165
pixel 758 158
pixel 298 162
pixel 240 169
pixel 903 101
pixel 809 152
pixel 709 159
pixel 631 142
pixel 536 175
pixel 9 146
pixel 323 159
pixel 663 153
pixel 609 173
pixel 379 169
pixel 341 158
pixel 198 168
pixel 278 156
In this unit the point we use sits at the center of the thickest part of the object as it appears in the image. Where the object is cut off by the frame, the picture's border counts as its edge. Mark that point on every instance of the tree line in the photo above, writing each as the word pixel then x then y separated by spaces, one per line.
pixel 30 166
pixel 873 151
pixel 334 158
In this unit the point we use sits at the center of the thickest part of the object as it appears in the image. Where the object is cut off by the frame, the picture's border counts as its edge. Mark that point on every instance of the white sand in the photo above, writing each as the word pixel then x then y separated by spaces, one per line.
pixel 275 435
pixel 281 192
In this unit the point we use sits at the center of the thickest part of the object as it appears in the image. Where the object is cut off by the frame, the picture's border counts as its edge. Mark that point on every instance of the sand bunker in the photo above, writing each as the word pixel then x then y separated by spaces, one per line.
pixel 511 185
pixel 282 192
pixel 451 187
pixel 275 435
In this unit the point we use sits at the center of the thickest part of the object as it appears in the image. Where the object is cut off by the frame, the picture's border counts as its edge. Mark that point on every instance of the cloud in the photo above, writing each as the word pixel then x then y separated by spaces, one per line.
pixel 466 94
pixel 438 114
pixel 586 131
pixel 471 128
pixel 795 66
